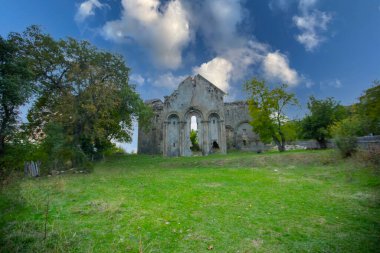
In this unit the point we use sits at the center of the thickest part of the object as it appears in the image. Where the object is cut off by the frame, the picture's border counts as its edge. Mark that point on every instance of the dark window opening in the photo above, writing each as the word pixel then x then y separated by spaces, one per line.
pixel 173 122
pixel 174 144
pixel 213 121
pixel 244 143
pixel 215 145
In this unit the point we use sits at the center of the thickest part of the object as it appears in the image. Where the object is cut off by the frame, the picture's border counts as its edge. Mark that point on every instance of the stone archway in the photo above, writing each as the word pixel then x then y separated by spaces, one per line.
pixel 193 112
pixel 216 134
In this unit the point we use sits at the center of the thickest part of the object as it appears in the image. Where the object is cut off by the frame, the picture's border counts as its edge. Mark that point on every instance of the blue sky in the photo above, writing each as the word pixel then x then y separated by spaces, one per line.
pixel 319 47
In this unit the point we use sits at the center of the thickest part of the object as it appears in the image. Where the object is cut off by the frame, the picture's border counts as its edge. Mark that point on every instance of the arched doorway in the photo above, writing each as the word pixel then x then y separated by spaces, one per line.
pixel 193 132
pixel 214 132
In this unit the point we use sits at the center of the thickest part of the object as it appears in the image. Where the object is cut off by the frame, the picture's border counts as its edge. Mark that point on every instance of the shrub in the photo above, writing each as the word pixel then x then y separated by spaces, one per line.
pixel 194 140
pixel 344 133
pixel 370 156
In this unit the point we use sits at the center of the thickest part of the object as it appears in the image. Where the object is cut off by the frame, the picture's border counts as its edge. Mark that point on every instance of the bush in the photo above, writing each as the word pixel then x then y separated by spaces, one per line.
pixel 370 156
pixel 194 141
pixel 344 133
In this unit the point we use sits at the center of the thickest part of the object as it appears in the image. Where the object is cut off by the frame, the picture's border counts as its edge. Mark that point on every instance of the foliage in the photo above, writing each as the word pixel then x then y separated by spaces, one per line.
pixel 85 101
pixel 17 151
pixel 322 115
pixel 345 134
pixel 369 109
pixel 266 108
pixel 194 140
pixel 15 88
pixel 291 130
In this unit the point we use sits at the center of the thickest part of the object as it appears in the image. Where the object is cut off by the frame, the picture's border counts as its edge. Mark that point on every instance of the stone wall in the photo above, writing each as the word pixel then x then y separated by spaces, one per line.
pixel 169 133
pixel 369 142
pixel 239 132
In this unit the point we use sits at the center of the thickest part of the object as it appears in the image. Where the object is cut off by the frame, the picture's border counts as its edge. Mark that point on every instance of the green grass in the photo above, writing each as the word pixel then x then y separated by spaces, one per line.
pixel 309 201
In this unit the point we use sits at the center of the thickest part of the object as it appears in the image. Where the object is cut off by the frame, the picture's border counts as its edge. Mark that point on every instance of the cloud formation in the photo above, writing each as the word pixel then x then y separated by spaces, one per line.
pixel 168 80
pixel 86 9
pixel 162 29
pixel 137 79
pixel 276 67
pixel 218 71
pixel 312 24
pixel 235 53
pixel 222 19
pixel 166 29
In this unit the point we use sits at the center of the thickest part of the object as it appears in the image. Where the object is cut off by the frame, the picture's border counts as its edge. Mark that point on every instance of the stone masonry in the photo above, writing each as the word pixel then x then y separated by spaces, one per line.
pixel 221 126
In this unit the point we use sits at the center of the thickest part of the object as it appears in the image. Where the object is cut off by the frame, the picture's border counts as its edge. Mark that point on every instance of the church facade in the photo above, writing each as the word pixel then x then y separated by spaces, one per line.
pixel 220 126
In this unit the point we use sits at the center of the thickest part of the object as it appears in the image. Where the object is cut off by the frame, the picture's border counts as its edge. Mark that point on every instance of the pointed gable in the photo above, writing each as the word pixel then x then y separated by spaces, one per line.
pixel 210 83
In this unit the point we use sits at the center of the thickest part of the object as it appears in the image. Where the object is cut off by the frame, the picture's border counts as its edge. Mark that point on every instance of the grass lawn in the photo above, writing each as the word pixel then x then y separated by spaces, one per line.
pixel 306 201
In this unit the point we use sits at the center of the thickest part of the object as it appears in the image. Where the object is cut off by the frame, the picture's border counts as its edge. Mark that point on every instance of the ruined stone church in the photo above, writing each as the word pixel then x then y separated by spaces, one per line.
pixel 197 103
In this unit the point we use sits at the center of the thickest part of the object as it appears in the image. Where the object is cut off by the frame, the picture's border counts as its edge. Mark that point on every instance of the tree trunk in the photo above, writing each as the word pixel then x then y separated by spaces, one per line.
pixel 322 143
pixel 281 147
pixel 280 144
pixel 2 144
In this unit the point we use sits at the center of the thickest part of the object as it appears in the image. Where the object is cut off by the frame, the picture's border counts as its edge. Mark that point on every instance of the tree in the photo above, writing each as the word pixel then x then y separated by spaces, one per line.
pixel 323 113
pixel 369 108
pixel 345 134
pixel 83 91
pixel 194 140
pixel 15 88
pixel 266 108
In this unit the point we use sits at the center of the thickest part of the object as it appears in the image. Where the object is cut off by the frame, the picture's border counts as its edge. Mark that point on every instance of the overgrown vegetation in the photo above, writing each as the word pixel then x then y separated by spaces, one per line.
pixel 298 201
pixel 82 100
pixel 194 140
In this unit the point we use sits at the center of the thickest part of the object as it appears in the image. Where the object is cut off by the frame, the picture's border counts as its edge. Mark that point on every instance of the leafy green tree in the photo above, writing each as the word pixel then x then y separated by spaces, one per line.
pixel 322 115
pixel 291 130
pixel 345 134
pixel 15 88
pixel 369 109
pixel 83 90
pixel 194 140
pixel 266 108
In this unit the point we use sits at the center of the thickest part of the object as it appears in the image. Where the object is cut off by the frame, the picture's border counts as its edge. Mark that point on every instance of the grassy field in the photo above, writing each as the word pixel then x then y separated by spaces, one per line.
pixel 309 201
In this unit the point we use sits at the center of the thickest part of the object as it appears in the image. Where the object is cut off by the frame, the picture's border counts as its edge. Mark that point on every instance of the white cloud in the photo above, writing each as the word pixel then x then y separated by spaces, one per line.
pixel 331 83
pixel 218 71
pixel 168 80
pixel 137 79
pixel 163 30
pixel 276 67
pixel 336 83
pixel 235 54
pixel 218 21
pixel 86 9
pixel 282 5
pixel 245 56
pixel 305 5
pixel 312 23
